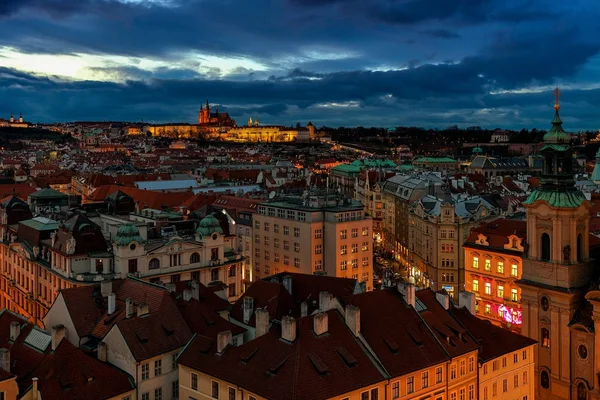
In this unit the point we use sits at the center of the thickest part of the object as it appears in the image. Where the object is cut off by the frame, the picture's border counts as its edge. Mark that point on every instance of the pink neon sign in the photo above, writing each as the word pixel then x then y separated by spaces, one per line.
pixel 511 315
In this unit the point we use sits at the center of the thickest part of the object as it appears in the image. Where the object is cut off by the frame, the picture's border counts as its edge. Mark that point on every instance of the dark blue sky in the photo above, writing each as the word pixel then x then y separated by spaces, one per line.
pixel 429 63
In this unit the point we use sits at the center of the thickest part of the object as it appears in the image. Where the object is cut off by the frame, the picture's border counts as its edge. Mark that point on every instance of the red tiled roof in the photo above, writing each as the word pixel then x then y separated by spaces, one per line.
pixel 204 321
pixel 277 369
pixel 494 341
pixel 271 295
pixel 199 200
pixel 449 333
pixel 399 338
pixel 21 190
pixel 205 294
pixel 67 366
pixel 236 203
pixel 145 198
pixel 498 231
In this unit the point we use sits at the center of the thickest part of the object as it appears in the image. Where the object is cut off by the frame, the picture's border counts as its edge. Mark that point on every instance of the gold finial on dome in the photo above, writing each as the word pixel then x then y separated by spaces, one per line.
pixel 556 99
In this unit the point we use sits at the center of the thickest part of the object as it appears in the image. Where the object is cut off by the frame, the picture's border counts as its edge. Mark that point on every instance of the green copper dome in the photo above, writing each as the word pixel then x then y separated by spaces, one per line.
pixel 477 150
pixel 556 134
pixel 209 225
pixel 128 233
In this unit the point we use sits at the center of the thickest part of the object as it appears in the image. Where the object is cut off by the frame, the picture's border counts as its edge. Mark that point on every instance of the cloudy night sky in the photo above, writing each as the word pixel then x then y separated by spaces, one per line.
pixel 430 63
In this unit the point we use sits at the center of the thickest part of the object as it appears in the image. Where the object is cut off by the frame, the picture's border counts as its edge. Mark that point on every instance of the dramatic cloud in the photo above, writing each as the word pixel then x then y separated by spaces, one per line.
pixel 335 62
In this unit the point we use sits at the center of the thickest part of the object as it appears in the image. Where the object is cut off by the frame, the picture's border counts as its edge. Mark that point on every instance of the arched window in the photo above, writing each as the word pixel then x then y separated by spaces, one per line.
pixel 545 380
pixel 154 264
pixel 194 258
pixel 545 337
pixel 545 247
pixel 579 248
pixel 582 391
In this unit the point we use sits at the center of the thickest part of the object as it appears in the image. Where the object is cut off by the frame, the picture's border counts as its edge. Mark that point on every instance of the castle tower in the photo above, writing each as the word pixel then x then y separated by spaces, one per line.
pixel 12 119
pixel 200 114
pixel 21 117
pixel 557 270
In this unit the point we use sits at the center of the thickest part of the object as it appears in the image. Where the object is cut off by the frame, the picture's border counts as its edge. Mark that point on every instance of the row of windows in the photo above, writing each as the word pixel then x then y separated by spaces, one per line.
pixel 496 363
pixel 505 386
pixel 410 383
pixel 462 370
pixel 344 248
pixel 158 392
pixel 281 213
pixel 158 367
pixel 353 262
pixel 215 389
pixel 514 268
pixel 175 259
pixel 462 393
pixel 514 293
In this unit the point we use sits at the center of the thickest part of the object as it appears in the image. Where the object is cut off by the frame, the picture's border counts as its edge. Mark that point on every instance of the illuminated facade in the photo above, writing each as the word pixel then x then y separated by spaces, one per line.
pixel 437 230
pixel 253 132
pixel 493 263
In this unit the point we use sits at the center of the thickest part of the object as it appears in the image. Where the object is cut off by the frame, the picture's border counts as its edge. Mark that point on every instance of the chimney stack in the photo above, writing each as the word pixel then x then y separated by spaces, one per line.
pixel 102 351
pixel 112 303
pixel 303 309
pixel 224 339
pixel 142 309
pixel 408 291
pixel 106 288
pixel 262 321
pixel 288 328
pixel 287 283
pixel 248 308
pixel 187 294
pixel 34 389
pixel 321 323
pixel 5 359
pixel 15 330
pixel 325 301
pixel 59 332
pixel 196 290
pixel 444 299
pixel 353 319
pixel 467 299
pixel 128 307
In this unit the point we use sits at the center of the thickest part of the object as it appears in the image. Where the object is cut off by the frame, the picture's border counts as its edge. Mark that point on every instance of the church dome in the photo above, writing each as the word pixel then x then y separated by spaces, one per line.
pixel 128 233
pixel 477 150
pixel 209 225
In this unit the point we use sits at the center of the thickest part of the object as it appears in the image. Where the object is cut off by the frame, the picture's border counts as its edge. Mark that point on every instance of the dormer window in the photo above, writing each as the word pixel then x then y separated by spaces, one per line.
pixel 514 243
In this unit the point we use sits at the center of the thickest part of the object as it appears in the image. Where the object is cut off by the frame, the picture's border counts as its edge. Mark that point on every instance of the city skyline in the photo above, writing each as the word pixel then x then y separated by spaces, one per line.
pixel 337 63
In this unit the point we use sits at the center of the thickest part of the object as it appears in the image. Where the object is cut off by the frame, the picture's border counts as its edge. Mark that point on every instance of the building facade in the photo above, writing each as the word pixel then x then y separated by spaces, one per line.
pixel 322 232
pixel 493 263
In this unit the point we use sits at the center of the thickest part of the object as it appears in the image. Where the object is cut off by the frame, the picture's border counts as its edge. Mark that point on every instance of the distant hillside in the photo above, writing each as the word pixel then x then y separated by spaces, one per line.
pixel 9 133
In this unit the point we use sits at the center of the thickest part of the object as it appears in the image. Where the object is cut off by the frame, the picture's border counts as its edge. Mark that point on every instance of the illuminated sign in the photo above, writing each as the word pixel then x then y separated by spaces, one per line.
pixel 510 315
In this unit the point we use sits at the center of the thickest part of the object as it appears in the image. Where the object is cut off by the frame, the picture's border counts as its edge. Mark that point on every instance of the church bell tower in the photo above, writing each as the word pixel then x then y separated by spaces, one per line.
pixel 557 269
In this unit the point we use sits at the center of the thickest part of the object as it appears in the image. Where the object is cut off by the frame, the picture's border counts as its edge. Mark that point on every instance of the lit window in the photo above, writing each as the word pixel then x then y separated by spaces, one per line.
pixel 545 337
pixel 410 384
pixel 343 249
pixel 513 295
pixel 500 267
pixel 424 380
pixel 488 265
pixel 501 291
pixel 475 262
pixel 395 390
pixel 343 234
pixel 475 285
pixel 488 288
pixel 488 309
pixel 438 375
pixel 514 270
pixel 453 371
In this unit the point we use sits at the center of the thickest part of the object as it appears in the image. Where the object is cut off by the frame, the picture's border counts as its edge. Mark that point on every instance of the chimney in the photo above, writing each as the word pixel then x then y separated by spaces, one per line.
pixel 303 309
pixel 288 328
pixel 325 301
pixel 287 283
pixel 142 309
pixel 5 359
pixel 408 291
pixel 106 288
pixel 196 290
pixel 443 299
pixel 128 307
pixel 224 339
pixel 187 294
pixel 59 332
pixel 353 319
pixel 248 308
pixel 34 389
pixel 467 299
pixel 262 321
pixel 102 351
pixel 112 303
pixel 15 330
pixel 321 323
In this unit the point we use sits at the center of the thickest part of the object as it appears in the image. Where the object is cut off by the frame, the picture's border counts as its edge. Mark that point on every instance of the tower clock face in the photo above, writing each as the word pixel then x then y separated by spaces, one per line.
pixel 582 352
pixel 545 303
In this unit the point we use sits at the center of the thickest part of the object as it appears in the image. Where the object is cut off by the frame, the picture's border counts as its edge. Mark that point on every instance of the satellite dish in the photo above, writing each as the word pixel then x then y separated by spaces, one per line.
pixel 272 195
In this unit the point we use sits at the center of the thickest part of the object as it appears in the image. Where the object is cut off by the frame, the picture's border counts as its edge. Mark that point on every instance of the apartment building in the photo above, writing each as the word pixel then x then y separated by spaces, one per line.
pixel 208 256
pixel 321 232
pixel 437 230
pixel 494 253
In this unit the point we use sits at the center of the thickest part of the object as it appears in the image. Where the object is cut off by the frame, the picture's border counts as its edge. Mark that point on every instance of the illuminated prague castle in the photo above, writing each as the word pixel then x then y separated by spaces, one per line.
pixel 206 116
